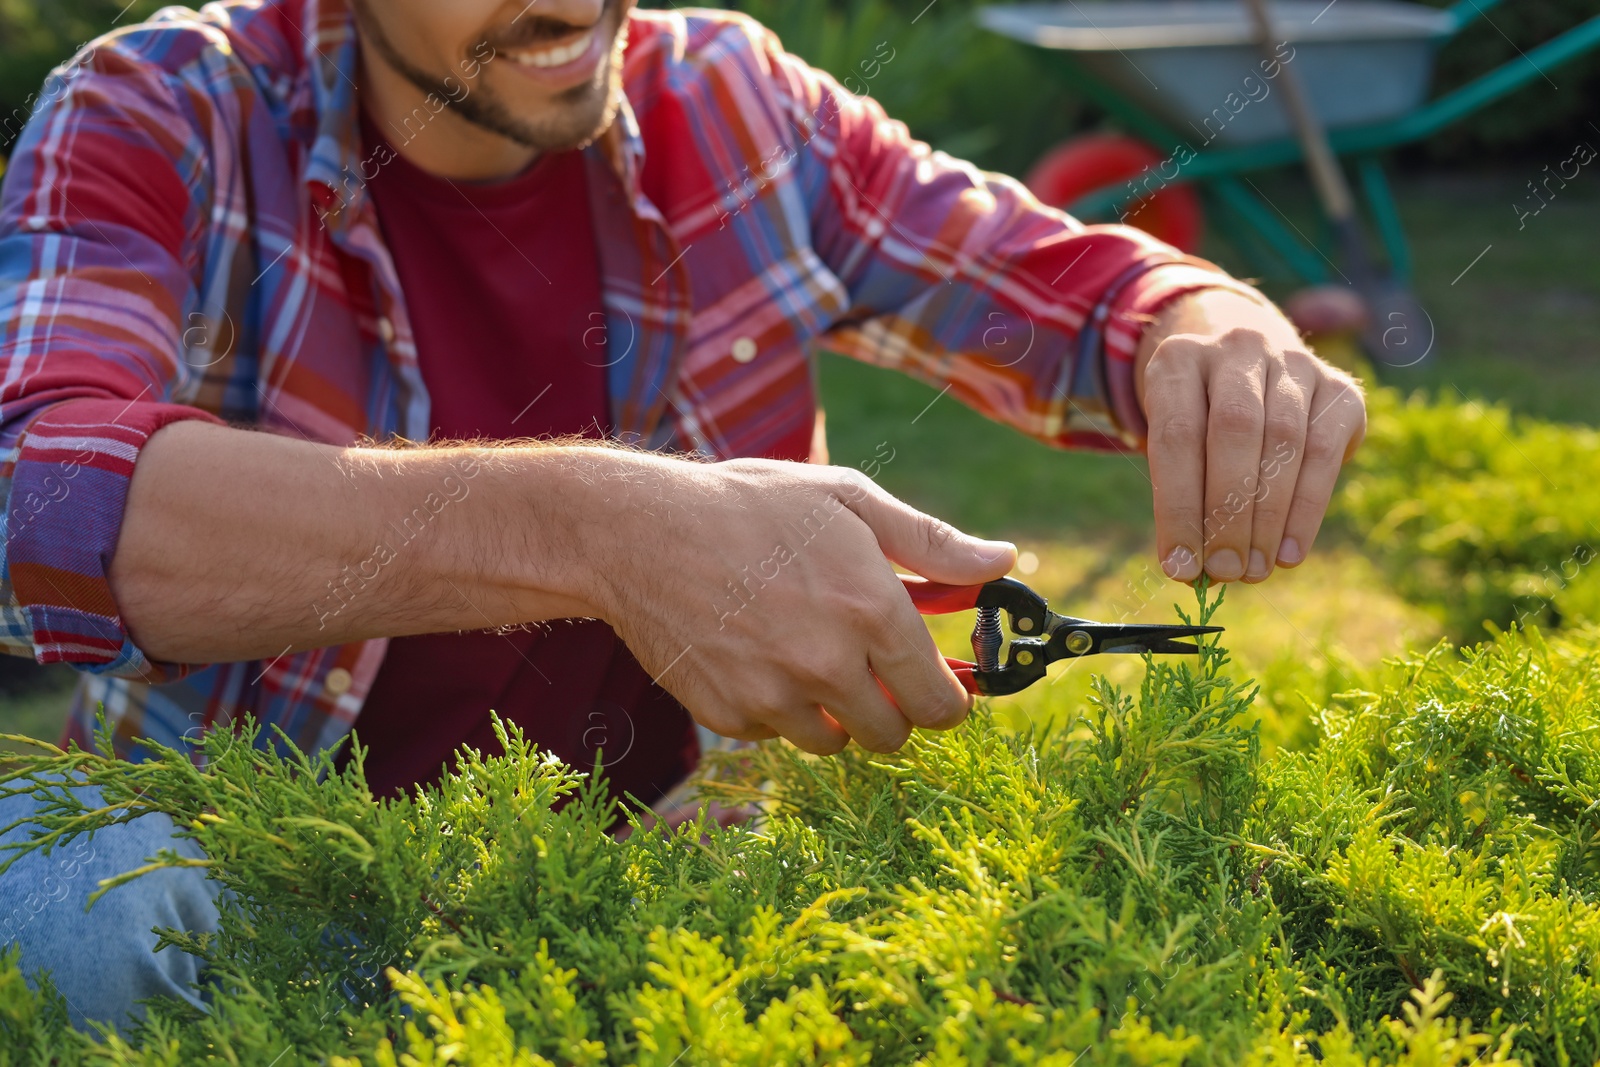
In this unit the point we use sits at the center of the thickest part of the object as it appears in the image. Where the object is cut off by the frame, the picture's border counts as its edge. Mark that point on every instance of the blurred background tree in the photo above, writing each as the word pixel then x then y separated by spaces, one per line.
pixel 966 91
pixel 36 35
pixel 971 93
pixel 1534 118
pixel 997 103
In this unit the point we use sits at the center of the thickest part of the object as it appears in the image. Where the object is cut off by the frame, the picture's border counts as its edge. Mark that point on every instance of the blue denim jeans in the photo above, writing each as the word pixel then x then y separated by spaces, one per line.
pixel 103 960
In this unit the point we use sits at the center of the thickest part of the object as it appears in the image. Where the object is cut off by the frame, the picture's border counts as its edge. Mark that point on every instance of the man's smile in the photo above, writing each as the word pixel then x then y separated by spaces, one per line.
pixel 562 64
pixel 552 55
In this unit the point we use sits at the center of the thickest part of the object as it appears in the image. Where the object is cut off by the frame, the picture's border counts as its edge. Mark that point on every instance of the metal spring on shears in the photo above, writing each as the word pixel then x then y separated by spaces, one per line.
pixel 986 639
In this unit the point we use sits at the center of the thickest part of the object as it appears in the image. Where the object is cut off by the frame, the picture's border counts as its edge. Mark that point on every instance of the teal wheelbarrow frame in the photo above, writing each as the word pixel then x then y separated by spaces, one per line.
pixel 1251 223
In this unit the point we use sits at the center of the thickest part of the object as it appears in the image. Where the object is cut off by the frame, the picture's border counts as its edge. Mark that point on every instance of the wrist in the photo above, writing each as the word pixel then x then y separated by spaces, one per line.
pixel 537 536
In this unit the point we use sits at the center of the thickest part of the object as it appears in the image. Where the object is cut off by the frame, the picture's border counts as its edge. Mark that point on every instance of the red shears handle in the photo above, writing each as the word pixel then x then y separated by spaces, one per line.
pixel 936 598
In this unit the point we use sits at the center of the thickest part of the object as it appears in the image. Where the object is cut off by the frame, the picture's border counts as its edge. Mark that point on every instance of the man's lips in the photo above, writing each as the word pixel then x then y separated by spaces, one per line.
pixel 562 63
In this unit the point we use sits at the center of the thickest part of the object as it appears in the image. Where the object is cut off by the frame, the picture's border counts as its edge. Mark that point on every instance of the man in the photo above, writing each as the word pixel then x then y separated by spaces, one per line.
pixel 242 252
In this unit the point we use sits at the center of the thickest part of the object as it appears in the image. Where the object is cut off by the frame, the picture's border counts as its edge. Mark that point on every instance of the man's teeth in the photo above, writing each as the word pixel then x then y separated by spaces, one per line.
pixel 555 57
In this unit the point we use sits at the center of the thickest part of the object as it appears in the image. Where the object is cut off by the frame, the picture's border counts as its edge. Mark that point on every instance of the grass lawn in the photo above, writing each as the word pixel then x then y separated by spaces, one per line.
pixel 1518 324
pixel 38 709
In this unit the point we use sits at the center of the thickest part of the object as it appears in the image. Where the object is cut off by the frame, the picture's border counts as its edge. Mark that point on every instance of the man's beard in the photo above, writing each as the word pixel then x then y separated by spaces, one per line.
pixel 578 115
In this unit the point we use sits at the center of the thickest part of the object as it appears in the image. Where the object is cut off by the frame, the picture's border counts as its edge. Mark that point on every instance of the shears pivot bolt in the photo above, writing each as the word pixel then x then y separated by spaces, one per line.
pixel 1079 642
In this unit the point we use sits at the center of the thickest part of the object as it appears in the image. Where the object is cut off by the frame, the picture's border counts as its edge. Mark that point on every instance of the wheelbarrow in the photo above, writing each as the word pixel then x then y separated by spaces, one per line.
pixel 1191 82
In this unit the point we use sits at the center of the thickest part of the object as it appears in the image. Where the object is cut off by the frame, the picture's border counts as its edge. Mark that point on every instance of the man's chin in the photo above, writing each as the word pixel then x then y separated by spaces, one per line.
pixel 571 119
pixel 574 119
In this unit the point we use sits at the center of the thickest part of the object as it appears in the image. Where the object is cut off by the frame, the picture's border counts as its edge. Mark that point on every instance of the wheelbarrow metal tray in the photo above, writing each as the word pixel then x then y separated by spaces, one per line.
pixel 1197 66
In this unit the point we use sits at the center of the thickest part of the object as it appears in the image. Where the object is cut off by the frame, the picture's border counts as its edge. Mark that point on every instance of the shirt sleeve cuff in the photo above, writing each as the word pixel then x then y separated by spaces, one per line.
pixel 68 484
pixel 1130 312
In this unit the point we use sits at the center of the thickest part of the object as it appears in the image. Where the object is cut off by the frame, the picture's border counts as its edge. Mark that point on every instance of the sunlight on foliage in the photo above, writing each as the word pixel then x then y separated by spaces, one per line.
pixel 1478 514
pixel 1137 886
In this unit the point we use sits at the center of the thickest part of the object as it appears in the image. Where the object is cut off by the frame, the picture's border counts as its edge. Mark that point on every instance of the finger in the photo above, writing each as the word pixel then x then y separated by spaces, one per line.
pixel 1235 423
pixel 1175 405
pixel 868 715
pixel 809 728
pixel 907 663
pixel 740 727
pixel 919 542
pixel 1290 387
pixel 1337 424
pixel 721 711
pixel 754 732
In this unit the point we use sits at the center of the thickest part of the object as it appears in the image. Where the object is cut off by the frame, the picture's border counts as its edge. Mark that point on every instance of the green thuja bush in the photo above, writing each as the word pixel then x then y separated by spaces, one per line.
pixel 1481 516
pixel 1136 887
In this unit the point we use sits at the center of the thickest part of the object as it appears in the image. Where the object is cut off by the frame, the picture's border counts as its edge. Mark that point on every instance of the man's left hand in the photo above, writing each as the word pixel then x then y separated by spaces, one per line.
pixel 1248 431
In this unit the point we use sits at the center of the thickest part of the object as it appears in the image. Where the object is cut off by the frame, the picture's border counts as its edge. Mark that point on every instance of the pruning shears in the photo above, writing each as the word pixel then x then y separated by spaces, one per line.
pixel 1041 637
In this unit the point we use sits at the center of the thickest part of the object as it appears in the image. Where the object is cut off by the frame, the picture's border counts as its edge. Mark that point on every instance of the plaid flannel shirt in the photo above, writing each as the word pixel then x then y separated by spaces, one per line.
pixel 184 233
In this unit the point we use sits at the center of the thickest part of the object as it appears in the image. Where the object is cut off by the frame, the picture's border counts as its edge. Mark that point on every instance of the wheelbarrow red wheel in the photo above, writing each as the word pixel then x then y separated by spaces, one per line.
pixel 1096 161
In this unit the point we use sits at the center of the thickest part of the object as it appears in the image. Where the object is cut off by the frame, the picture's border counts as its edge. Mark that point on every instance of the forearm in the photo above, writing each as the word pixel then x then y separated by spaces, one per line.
pixel 239 545
pixel 759 593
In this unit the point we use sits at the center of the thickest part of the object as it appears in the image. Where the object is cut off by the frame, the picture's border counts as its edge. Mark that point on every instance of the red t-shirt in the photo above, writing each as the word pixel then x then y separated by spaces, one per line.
pixel 502 281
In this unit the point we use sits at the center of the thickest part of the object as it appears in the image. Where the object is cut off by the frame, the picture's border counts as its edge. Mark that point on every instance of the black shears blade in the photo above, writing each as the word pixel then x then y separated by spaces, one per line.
pixel 1071 638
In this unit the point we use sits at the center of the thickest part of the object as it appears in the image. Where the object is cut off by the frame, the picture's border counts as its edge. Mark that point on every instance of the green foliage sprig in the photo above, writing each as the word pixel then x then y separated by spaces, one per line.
pixel 1135 887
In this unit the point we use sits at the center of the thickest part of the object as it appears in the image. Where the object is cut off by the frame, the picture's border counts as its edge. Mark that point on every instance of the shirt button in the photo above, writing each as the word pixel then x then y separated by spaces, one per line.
pixel 744 349
pixel 386 330
pixel 337 683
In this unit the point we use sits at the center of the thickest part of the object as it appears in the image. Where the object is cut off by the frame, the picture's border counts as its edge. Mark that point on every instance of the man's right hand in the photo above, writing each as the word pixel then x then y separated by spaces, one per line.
pixel 759 593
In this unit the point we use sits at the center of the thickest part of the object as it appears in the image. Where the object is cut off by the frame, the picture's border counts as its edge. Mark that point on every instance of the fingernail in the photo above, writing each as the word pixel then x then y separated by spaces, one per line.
pixel 993 550
pixel 1181 564
pixel 1224 565
pixel 1289 552
pixel 1258 564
